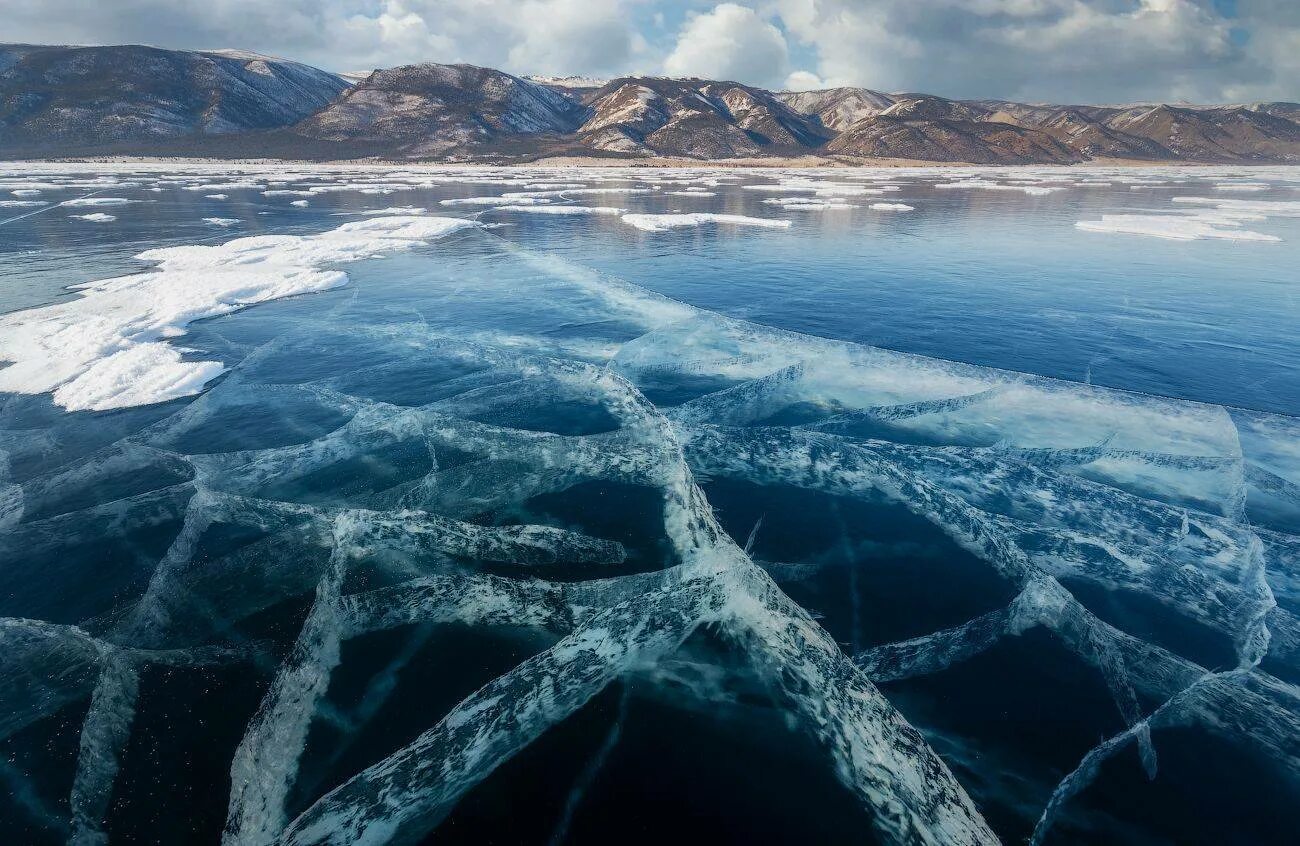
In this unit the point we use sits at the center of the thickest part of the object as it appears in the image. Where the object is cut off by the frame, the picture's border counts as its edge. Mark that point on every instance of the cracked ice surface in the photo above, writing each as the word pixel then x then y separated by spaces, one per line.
pixel 436 476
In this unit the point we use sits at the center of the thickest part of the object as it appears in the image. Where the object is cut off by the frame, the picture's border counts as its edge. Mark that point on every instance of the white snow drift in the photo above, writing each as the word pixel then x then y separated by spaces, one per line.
pixel 107 348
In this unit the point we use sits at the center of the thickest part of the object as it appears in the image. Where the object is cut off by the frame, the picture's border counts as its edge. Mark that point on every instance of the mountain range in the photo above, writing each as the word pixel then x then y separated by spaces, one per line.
pixel 79 101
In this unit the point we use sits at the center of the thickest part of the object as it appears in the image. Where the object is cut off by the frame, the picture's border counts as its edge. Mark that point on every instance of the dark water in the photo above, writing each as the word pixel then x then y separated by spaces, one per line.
pixel 170 569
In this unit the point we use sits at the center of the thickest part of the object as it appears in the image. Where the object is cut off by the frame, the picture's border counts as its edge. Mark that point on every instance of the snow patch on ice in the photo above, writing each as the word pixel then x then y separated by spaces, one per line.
pixel 107 348
pixel 664 222
pixel 492 201
pixel 984 184
pixel 1173 227
pixel 574 210
pixel 96 201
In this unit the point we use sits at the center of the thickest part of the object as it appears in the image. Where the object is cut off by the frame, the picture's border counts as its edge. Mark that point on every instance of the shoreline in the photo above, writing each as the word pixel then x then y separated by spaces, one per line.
pixel 655 163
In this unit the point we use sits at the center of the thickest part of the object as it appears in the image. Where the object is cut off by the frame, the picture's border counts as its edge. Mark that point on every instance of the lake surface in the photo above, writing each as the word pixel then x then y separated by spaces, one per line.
pixel 371 504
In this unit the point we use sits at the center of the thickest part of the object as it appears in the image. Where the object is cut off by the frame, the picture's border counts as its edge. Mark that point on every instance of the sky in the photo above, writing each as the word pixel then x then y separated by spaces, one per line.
pixel 1075 51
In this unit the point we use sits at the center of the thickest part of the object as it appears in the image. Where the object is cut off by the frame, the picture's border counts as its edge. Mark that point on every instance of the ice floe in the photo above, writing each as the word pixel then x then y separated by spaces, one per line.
pixel 984 184
pixel 97 201
pixel 664 222
pixel 806 204
pixel 1173 227
pixel 573 210
pixel 494 201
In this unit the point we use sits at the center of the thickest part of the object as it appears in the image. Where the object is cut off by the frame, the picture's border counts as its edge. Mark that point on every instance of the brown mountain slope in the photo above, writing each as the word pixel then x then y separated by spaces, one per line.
pixel 933 130
pixel 83 97
pixel 694 118
pixel 1225 134
pixel 140 100
pixel 431 109
pixel 837 108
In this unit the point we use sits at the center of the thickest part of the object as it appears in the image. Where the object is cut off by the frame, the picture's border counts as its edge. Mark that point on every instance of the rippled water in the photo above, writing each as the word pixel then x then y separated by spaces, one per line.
pixel 815 523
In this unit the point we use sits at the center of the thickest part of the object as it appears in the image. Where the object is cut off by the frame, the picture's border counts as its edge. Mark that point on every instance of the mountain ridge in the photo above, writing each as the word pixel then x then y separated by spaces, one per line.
pixel 132 99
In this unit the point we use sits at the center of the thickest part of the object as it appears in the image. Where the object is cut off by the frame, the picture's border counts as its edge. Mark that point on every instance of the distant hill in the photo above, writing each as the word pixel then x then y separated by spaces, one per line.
pixel 84 97
pixel 431 109
pixel 59 101
pixel 695 118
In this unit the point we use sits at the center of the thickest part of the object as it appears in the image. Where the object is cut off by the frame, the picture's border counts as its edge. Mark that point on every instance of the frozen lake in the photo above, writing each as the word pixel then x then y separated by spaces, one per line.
pixel 358 504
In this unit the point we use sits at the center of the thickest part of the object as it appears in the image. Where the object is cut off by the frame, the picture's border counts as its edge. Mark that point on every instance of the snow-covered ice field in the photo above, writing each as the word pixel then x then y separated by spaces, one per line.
pixel 379 504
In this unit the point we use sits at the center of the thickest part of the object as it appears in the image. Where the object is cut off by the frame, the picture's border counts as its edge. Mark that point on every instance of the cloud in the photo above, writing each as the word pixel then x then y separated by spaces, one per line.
pixel 522 36
pixel 730 42
pixel 803 81
pixel 1053 50
pixel 1063 50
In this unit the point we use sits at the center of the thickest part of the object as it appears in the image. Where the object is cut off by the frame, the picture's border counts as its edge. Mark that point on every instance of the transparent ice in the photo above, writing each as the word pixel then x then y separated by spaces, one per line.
pixel 1050 485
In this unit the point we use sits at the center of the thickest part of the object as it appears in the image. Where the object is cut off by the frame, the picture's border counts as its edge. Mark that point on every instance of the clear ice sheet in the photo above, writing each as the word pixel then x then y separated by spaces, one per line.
pixel 413 483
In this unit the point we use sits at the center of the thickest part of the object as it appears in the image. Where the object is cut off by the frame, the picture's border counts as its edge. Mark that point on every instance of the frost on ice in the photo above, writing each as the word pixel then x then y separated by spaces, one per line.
pixel 1050 487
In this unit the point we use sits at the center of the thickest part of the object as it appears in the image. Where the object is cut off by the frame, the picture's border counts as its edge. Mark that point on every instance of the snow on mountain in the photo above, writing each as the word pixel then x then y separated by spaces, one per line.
pixel 837 108
pixel 695 118
pixel 58 100
pixel 431 108
pixel 103 95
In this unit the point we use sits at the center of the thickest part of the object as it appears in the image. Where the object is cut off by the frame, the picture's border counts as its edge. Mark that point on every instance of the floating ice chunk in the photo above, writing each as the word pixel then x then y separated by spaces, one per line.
pixel 806 204
pixel 1173 227
pixel 15 204
pixel 221 221
pixel 1241 186
pixel 237 185
pixel 1032 190
pixel 94 217
pixel 782 188
pixel 26 192
pixel 97 201
pixel 102 350
pixel 492 201
pixel 302 204
pixel 892 207
pixel 664 222
pixel 561 209
pixel 1275 208
pixel 514 196
pixel 689 193
pixel 216 196
pixel 390 210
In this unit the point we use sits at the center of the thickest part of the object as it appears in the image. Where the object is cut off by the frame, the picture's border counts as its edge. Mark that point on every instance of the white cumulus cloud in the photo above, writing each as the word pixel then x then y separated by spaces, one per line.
pixel 1062 50
pixel 731 42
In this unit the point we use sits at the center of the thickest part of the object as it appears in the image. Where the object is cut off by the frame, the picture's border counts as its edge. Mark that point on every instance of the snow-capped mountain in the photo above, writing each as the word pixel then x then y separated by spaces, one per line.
pixel 837 108
pixel 431 109
pixel 65 100
pixel 90 96
pixel 694 117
